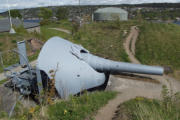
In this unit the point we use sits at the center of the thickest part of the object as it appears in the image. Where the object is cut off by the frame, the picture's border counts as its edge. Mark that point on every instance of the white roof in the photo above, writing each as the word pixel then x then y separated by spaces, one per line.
pixel 110 10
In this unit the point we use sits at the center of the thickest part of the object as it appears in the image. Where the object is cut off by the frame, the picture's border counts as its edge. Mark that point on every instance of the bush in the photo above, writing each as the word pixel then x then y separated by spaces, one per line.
pixel 13 41
pixel 16 13
pixel 62 13
pixel 20 29
pixel 45 13
pixel 45 22
pixel 75 28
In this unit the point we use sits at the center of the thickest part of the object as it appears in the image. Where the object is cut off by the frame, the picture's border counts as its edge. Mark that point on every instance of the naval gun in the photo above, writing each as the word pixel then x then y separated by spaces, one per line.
pixel 76 69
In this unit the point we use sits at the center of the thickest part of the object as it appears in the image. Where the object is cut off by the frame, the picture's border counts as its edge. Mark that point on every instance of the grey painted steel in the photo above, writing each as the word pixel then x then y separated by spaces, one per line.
pixel 73 74
pixel 78 70
pixel 110 13
pixel 22 50
pixel 22 80
pixel 104 65
pixel 39 80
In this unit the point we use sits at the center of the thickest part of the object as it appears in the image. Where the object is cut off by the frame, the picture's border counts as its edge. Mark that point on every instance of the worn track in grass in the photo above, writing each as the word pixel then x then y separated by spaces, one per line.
pixel 129 88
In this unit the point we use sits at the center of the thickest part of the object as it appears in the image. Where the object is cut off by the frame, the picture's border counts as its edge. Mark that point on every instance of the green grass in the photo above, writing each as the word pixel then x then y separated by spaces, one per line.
pixel 3 81
pixel 159 44
pixel 76 108
pixel 151 109
pixel 79 108
pixel 47 33
pixel 63 24
pixel 8 41
pixel 1 17
pixel 104 39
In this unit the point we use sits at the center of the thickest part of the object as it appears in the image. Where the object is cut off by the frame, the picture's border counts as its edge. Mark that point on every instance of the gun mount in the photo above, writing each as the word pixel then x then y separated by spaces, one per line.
pixel 76 69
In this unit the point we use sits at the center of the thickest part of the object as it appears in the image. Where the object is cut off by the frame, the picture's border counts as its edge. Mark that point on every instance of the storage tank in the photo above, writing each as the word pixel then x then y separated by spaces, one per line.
pixel 110 13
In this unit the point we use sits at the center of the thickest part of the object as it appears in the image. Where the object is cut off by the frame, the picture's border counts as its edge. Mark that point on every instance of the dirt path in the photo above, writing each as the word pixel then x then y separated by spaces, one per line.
pixel 130 47
pixel 129 88
pixel 62 30
pixel 130 44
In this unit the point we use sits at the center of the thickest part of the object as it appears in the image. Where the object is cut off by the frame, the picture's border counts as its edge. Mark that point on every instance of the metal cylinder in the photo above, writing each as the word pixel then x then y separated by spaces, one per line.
pixel 105 65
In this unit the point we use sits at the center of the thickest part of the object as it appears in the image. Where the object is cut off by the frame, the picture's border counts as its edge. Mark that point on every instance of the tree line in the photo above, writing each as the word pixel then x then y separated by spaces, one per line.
pixel 45 13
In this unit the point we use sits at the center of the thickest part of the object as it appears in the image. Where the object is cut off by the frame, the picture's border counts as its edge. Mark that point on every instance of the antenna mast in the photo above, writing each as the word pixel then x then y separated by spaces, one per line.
pixel 12 31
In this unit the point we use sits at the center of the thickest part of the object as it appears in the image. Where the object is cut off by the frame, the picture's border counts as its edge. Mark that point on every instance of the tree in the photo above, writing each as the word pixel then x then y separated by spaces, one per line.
pixel 16 13
pixel 45 13
pixel 62 13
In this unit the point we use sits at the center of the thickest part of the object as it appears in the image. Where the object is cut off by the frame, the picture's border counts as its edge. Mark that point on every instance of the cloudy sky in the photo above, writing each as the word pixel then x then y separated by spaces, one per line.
pixel 37 3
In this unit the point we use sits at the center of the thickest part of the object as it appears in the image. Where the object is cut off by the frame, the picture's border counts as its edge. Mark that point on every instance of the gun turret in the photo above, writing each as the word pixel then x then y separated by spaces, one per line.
pixel 77 69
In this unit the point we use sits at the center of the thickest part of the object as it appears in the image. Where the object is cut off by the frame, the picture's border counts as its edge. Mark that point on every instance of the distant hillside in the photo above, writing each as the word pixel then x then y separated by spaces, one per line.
pixel 89 9
pixel 159 5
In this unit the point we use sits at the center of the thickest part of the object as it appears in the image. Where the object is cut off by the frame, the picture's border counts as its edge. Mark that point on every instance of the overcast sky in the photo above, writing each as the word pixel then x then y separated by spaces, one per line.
pixel 37 3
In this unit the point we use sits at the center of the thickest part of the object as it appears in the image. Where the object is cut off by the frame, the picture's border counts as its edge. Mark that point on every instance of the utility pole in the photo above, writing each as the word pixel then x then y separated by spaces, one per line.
pixel 79 7
pixel 12 31
pixel 80 21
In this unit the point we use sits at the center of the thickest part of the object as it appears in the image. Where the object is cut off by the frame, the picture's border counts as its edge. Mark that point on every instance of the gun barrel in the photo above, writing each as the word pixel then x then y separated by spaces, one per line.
pixel 105 65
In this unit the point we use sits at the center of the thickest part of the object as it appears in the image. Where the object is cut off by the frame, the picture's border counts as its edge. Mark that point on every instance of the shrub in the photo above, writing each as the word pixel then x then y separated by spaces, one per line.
pixel 62 13
pixel 45 13
pixel 16 13
pixel 20 29
pixel 45 22
pixel 75 28
pixel 13 41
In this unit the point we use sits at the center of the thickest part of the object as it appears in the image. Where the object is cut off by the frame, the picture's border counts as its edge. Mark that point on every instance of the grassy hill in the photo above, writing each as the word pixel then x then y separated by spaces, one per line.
pixel 104 39
pixel 159 44
pixel 142 108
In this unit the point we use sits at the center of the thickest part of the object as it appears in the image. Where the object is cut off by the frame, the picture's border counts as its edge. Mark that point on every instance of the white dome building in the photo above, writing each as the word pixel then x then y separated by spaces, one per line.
pixel 110 13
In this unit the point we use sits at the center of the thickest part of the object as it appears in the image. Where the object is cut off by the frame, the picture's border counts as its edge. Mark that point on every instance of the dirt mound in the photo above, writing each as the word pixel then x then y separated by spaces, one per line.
pixel 35 45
